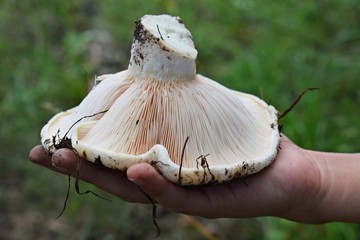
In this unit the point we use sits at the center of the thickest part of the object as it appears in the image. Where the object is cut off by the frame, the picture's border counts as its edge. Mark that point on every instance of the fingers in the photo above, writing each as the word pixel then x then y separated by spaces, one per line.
pixel 66 161
pixel 39 156
pixel 250 197
pixel 226 200
pixel 193 201
pixel 112 181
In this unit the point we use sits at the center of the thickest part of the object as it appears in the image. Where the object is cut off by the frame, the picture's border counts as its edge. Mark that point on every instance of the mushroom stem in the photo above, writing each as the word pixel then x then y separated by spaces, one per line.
pixel 162 49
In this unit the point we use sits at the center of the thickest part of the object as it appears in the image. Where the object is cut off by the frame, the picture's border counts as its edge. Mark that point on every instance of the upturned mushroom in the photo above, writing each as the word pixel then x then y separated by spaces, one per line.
pixel 160 111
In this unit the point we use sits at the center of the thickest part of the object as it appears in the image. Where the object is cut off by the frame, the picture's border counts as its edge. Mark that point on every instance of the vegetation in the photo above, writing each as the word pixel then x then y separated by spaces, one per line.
pixel 51 50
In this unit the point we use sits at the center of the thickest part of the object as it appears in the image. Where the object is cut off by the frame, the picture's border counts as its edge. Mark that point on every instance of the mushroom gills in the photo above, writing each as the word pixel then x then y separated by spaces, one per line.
pixel 149 110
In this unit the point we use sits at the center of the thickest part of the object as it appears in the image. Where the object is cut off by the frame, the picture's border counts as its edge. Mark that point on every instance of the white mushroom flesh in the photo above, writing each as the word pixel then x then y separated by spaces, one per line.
pixel 159 102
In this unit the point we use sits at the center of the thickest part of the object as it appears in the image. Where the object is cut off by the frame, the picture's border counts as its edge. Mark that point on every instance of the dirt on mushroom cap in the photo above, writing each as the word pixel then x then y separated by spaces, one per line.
pixel 160 101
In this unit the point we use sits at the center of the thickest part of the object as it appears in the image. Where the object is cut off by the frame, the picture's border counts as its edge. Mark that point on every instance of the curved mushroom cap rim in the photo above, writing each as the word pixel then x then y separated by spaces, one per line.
pixel 158 157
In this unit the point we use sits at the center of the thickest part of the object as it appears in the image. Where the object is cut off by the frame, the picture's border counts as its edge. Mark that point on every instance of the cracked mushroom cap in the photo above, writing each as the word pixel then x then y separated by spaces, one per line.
pixel 190 128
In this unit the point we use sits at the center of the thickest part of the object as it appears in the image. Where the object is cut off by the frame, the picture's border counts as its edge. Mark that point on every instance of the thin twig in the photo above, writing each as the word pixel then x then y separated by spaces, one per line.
pixel 199 227
pixel 158 230
pixel 295 102
pixel 65 142
pixel 181 159
pixel 77 121
pixel 157 26
pixel 77 185
pixel 66 198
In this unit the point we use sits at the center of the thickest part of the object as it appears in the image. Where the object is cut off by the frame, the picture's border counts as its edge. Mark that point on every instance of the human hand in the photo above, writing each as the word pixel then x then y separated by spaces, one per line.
pixel 284 189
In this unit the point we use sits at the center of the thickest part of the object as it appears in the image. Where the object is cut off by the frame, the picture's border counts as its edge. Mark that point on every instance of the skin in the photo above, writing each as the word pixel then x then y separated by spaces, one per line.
pixel 301 185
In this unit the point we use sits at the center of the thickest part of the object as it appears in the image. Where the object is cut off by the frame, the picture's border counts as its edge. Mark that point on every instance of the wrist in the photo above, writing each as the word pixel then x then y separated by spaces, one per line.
pixel 315 189
pixel 308 191
pixel 337 197
pixel 340 187
pixel 299 182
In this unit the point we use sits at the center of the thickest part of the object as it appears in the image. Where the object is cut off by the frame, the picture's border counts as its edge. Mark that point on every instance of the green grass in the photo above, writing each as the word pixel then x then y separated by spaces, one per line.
pixel 271 49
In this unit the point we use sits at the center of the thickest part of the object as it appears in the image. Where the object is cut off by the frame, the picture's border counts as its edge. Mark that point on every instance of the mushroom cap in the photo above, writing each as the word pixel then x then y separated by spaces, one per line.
pixel 190 128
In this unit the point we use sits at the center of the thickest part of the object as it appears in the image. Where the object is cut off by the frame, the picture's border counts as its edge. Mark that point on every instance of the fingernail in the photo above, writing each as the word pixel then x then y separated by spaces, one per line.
pixel 137 181
pixel 56 162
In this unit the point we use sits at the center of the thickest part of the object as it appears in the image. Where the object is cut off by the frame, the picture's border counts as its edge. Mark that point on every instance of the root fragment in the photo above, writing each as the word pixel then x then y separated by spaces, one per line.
pixel 154 208
pixel 181 159
pixel 295 102
pixel 205 165
pixel 66 198
pixel 65 142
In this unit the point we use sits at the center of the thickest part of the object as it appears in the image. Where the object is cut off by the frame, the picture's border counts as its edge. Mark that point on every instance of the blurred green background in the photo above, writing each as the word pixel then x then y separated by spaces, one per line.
pixel 51 50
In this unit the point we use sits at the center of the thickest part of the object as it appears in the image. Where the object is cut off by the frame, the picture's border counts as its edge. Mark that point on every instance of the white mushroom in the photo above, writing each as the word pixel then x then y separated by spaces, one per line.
pixel 149 111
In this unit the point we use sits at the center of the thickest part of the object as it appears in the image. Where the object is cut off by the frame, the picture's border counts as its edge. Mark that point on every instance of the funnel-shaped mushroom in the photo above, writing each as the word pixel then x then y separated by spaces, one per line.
pixel 149 111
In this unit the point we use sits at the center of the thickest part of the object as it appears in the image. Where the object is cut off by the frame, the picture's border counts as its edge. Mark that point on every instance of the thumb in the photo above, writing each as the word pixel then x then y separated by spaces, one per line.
pixel 148 179
pixel 161 190
pixel 175 198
